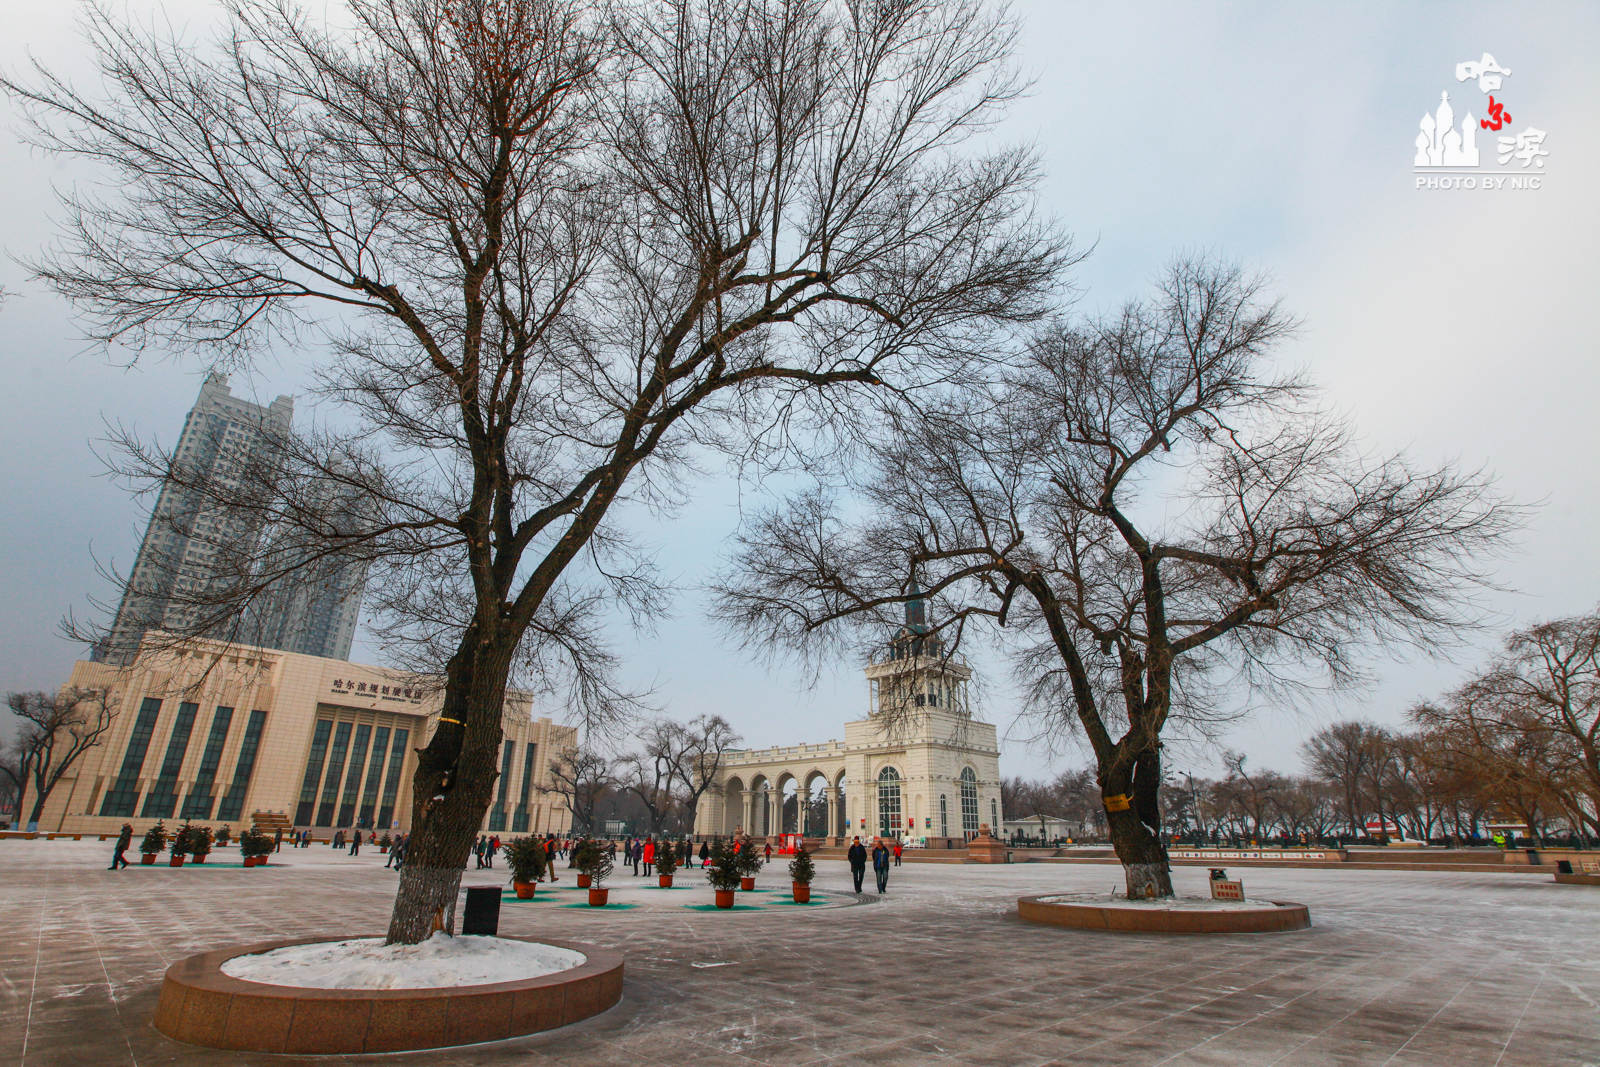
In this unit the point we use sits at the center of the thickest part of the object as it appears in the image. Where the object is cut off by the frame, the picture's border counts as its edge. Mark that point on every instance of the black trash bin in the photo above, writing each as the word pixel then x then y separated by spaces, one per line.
pixel 482 915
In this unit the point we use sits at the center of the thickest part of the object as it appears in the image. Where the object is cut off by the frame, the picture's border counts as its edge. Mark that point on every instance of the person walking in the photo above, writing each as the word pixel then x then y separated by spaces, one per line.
pixel 897 848
pixel 769 852
pixel 399 850
pixel 124 839
pixel 705 853
pixel 277 839
pixel 880 865
pixel 338 839
pixel 355 843
pixel 858 862
pixel 647 852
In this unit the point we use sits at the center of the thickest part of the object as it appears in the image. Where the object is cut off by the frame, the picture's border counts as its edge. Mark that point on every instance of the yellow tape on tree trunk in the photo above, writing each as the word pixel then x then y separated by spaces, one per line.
pixel 1119 802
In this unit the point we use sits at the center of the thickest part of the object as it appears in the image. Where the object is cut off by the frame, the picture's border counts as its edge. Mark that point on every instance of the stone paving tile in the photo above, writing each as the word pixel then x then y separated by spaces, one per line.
pixel 1420 969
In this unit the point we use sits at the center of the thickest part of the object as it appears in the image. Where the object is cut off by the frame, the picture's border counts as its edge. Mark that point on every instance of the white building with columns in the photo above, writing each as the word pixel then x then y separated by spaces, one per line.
pixel 919 767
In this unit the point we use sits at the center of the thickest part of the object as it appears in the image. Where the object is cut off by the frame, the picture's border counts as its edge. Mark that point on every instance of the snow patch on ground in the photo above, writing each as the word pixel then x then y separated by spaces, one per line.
pixel 1159 904
pixel 439 962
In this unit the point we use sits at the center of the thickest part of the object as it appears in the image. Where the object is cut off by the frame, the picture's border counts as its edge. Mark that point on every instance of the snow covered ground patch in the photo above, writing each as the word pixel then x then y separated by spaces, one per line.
pixel 1159 904
pixel 438 962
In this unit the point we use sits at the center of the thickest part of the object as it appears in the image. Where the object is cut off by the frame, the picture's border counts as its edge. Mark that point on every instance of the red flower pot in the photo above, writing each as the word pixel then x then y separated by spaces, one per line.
pixel 597 897
pixel 147 857
pixel 802 893
pixel 524 890
pixel 176 860
pixel 747 884
pixel 583 881
pixel 200 857
pixel 724 898
pixel 665 880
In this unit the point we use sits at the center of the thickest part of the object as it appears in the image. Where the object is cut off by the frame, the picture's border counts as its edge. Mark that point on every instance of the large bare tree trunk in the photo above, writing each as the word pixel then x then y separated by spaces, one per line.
pixel 451 791
pixel 1133 816
pixel 1143 856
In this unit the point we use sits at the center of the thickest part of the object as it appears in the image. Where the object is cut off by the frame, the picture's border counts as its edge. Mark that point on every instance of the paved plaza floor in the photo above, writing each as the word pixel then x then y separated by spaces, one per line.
pixel 1400 968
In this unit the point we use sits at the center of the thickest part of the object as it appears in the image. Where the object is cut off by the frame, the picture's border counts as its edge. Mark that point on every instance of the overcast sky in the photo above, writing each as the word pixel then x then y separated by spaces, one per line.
pixel 1450 323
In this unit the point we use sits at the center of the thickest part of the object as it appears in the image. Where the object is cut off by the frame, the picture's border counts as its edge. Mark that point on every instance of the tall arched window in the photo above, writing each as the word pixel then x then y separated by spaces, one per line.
pixel 944 817
pixel 888 802
pixel 994 817
pixel 969 802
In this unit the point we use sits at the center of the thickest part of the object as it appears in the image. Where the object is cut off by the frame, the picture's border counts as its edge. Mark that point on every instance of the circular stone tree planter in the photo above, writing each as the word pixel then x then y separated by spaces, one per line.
pixel 1268 916
pixel 202 1006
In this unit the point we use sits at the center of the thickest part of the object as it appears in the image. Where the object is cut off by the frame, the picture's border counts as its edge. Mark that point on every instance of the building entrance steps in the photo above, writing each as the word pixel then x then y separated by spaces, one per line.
pixel 271 821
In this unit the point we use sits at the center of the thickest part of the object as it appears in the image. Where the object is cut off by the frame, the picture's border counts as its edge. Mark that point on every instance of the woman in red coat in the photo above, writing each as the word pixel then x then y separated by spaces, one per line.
pixel 649 854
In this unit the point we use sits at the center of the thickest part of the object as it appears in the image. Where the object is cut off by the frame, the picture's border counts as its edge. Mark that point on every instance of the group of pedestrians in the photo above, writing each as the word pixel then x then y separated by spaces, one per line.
pixel 881 857
pixel 486 849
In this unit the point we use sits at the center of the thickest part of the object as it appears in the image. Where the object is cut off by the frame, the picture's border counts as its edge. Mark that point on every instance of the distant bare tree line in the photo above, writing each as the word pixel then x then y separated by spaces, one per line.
pixel 655 788
pixel 1515 744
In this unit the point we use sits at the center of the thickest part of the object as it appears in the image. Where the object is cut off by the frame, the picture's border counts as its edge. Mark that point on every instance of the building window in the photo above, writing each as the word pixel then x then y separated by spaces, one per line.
pixel 352 780
pixel 391 781
pixel 497 815
pixel 969 802
pixel 994 816
pixel 197 805
pixel 124 794
pixel 330 784
pixel 519 820
pixel 944 816
pixel 369 793
pixel 308 787
pixel 163 796
pixel 888 802
pixel 233 803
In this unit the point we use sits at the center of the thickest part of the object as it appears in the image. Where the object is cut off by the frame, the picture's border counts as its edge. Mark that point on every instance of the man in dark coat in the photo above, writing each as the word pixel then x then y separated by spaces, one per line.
pixel 124 839
pixel 858 862
pixel 880 866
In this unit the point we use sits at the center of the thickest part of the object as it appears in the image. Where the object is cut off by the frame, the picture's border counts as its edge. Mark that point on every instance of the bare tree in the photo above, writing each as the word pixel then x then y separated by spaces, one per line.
pixel 1255 795
pixel 56 729
pixel 1344 755
pixel 694 751
pixel 584 777
pixel 649 774
pixel 1284 549
pixel 565 252
pixel 1548 679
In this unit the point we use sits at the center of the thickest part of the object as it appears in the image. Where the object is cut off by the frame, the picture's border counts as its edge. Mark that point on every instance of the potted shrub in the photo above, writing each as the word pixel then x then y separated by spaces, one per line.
pixel 384 842
pixel 596 863
pixel 801 871
pixel 582 855
pixel 748 861
pixel 723 873
pixel 199 843
pixel 180 845
pixel 155 841
pixel 224 835
pixel 254 847
pixel 525 856
pixel 666 864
